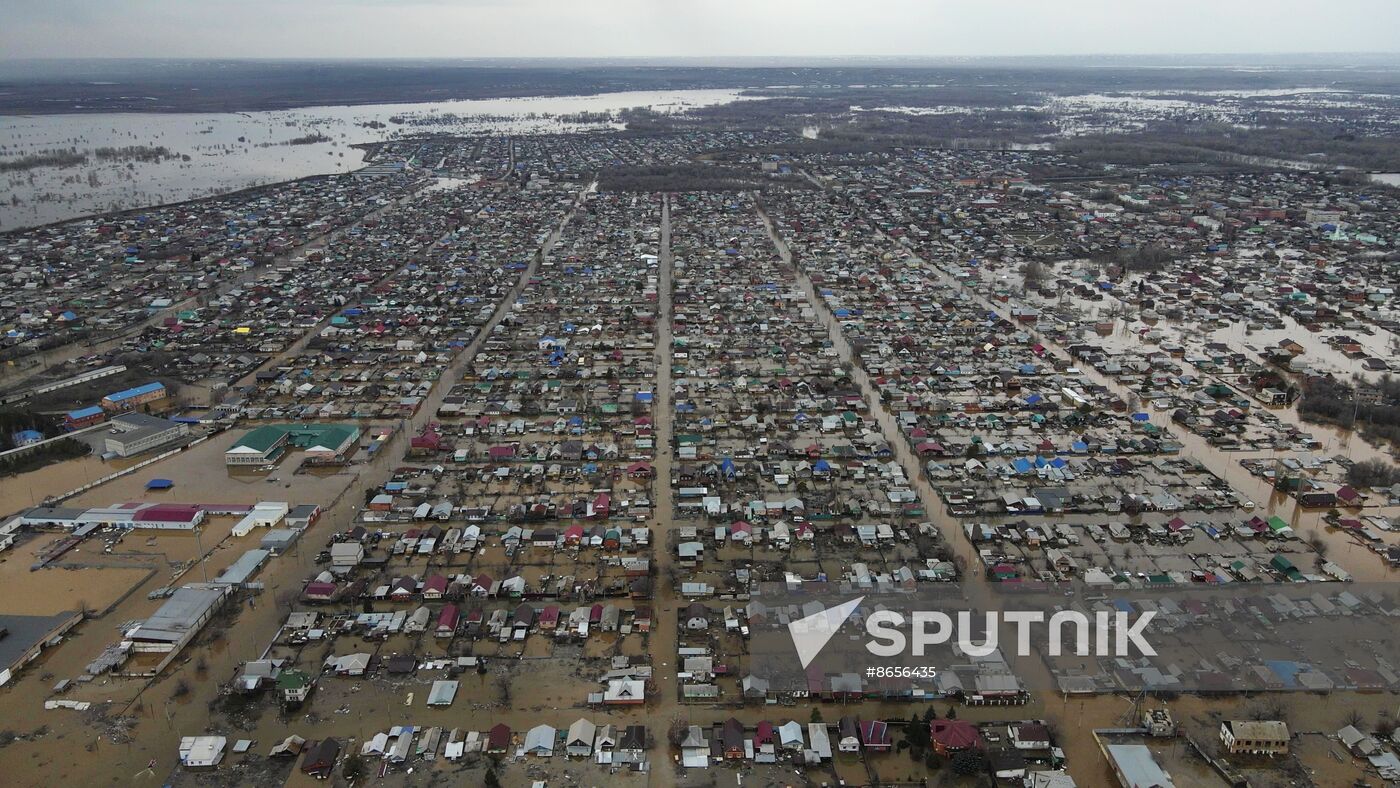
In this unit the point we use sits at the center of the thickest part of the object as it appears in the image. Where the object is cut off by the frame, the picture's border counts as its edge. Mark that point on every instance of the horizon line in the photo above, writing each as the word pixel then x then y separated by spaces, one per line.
pixel 808 57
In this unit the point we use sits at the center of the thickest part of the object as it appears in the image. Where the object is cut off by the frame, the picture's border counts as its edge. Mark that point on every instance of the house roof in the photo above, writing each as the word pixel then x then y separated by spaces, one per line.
pixel 540 739
pixel 634 738
pixel 321 756
pixel 498 738
pixel 732 734
pixel 1259 730
pixel 955 734
pixel 874 732
pixel 581 731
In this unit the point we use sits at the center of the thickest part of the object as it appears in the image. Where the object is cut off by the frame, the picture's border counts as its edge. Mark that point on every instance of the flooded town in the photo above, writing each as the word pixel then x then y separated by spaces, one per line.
pixel 523 431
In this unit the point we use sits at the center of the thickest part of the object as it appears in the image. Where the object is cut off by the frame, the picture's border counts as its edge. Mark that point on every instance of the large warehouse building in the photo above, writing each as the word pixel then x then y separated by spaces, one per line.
pixel 133 433
pixel 22 638
pixel 266 445
pixel 127 399
pixel 134 514
pixel 174 625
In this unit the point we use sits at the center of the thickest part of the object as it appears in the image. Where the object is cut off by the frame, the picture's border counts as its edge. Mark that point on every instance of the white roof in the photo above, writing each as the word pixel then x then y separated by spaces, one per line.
pixel 1056 779
pixel 202 750
pixel 581 732
pixel 442 693
pixel 540 739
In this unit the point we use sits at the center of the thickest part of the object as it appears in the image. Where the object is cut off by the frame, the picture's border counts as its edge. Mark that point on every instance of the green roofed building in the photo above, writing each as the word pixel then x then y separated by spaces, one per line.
pixel 259 447
pixel 1279 527
pixel 294 685
pixel 267 444
pixel 1286 568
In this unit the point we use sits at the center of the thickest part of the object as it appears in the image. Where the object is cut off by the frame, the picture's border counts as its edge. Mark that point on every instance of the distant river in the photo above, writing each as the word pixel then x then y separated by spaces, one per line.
pixel 229 151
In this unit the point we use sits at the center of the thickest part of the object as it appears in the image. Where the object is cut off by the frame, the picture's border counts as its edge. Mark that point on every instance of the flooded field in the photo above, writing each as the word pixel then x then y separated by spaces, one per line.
pixel 30 489
pixel 210 154
pixel 199 475
pixel 72 584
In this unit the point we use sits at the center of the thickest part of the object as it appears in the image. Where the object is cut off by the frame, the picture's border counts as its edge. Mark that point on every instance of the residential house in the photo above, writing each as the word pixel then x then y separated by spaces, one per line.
pixel 1255 737
pixel 539 741
pixel 579 741
pixel 874 735
pixel 847 735
pixel 320 759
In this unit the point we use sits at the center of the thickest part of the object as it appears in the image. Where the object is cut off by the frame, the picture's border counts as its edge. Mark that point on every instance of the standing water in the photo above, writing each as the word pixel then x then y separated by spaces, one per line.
pixel 212 153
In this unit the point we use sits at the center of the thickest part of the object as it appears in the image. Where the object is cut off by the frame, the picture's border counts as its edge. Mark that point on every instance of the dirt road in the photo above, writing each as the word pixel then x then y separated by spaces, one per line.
pixel 177 703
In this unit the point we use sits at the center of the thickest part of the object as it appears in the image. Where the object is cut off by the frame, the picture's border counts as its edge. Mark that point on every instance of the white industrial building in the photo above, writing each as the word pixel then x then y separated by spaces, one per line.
pixel 174 625
pixel 133 433
pixel 263 515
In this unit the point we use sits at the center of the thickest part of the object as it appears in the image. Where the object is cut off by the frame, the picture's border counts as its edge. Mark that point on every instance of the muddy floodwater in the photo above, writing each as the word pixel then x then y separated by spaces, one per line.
pixel 133 720
pixel 1127 338
pixel 130 734
pixel 198 473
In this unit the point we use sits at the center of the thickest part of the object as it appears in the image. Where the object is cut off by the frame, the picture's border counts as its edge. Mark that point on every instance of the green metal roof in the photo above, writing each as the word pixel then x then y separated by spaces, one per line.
pixel 262 438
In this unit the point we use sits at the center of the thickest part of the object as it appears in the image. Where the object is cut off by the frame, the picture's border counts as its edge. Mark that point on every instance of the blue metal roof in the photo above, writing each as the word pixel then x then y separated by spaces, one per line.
pixel 135 392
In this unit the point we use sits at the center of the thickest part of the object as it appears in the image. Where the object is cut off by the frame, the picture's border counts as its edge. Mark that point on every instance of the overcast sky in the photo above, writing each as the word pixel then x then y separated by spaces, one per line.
pixel 627 28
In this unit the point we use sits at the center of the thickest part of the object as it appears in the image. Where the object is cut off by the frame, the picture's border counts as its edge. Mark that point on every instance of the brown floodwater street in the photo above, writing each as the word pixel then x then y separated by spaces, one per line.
pixel 1307 523
pixel 516 397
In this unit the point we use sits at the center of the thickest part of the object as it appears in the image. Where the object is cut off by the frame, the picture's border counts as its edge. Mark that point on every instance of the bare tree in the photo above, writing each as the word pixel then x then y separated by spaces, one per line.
pixel 1034 274
pixel 676 731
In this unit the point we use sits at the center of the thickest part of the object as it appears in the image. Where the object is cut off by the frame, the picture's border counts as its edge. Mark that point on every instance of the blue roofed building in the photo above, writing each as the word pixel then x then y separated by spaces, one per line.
pixel 26 437
pixel 127 399
pixel 84 417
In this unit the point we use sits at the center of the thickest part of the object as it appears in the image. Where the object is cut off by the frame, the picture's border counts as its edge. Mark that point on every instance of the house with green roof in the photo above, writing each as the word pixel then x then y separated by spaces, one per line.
pixel 294 685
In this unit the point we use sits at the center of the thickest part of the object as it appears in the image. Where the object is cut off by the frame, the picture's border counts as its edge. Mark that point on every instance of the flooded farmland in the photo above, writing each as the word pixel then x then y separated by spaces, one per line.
pixel 176 157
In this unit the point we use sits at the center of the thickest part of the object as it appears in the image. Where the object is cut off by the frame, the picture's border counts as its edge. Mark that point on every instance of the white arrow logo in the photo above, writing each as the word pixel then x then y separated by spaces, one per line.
pixel 810 634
